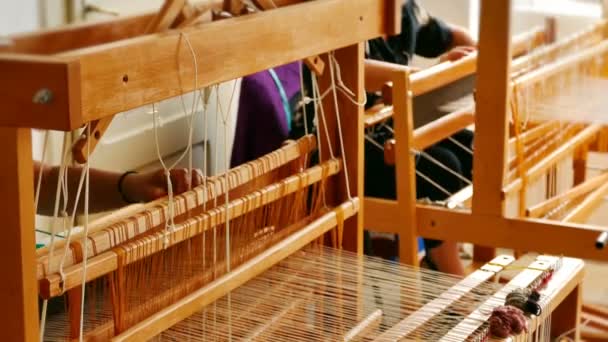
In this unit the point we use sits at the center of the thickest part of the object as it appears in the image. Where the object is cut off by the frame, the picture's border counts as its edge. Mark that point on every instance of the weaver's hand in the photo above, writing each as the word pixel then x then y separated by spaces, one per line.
pixel 457 53
pixel 145 187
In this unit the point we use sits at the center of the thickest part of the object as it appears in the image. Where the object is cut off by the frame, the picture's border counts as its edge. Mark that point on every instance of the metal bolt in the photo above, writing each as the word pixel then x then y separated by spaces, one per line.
pixel 43 96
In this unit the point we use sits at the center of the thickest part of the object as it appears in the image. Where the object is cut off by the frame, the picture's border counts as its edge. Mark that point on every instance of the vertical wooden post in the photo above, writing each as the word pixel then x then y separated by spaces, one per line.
pixel 567 315
pixel 489 166
pixel 550 30
pixel 350 60
pixel 18 294
pixel 405 165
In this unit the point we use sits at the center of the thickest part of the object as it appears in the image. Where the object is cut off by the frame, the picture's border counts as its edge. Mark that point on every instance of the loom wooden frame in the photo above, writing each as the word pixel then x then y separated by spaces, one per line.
pixel 63 90
pixel 389 215
pixel 410 220
pixel 382 215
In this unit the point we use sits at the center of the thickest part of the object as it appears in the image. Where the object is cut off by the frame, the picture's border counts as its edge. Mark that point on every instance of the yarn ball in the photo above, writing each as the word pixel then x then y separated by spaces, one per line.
pixel 507 321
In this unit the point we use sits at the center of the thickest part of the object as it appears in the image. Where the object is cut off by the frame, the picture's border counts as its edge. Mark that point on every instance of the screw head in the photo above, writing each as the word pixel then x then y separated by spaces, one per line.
pixel 43 96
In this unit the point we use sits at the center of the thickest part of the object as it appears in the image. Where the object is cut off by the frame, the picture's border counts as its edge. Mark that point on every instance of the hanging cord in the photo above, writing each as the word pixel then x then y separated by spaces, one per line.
pixel 337 110
pixel 85 234
pixel 349 94
pixel 170 224
pixel 303 103
pixel 58 193
pixel 225 116
pixel 41 170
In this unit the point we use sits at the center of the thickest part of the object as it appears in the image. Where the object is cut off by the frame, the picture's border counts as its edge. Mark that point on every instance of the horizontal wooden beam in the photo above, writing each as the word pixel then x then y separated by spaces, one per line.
pixel 39 92
pixel 380 215
pixel 127 74
pixel 81 35
pixel 542 236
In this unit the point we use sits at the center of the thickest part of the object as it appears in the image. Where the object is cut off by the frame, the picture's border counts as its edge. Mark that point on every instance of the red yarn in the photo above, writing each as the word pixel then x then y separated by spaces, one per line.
pixel 507 321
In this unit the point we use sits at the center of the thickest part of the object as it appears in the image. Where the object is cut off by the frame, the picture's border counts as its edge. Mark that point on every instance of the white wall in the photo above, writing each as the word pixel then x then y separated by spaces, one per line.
pixel 18 16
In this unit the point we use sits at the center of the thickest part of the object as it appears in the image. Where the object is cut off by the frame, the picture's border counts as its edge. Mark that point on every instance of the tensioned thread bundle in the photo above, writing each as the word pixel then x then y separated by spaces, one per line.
pixel 321 294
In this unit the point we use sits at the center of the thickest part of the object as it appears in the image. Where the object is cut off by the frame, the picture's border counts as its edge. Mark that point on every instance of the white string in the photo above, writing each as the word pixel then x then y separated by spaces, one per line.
pixel 439 187
pixel 302 96
pixel 461 145
pixel 85 252
pixel 321 111
pixel 58 193
pixel 225 115
pixel 443 166
pixel 41 170
pixel 337 109
pixel 374 142
pixel 350 95
pixel 170 224
pixel 71 223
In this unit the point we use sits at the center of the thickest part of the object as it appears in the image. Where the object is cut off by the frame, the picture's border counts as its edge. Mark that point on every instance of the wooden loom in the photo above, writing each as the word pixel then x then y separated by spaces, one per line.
pixel 67 89
pixel 501 215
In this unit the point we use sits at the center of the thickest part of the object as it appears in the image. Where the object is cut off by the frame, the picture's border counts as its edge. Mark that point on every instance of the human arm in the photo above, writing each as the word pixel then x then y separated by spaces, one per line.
pixel 436 38
pixel 104 189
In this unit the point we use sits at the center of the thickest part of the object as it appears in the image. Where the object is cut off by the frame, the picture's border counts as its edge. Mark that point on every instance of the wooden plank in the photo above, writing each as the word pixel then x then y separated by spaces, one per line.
pixel 492 107
pixel 380 215
pixel 442 128
pixel 184 308
pixel 581 212
pixel 405 165
pixel 167 14
pixel 558 238
pixel 39 92
pixel 492 96
pixel 544 207
pixel 117 76
pixel 19 322
pixel 79 36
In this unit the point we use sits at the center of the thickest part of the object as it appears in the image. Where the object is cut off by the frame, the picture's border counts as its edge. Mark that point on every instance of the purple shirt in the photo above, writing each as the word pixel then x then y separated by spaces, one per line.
pixel 261 125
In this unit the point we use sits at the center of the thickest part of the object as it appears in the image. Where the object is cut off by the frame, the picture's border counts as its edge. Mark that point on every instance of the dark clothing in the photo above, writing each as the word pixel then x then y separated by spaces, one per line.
pixel 421 34
pixel 262 123
pixel 427 37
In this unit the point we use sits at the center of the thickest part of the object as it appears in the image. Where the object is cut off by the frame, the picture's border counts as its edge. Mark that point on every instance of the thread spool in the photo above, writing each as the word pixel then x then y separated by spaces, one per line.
pixel 526 300
pixel 507 321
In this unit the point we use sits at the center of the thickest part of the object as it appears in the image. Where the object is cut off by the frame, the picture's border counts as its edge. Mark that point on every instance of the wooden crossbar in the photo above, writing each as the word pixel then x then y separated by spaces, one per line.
pixel 104 263
pixel 107 79
pixel 157 211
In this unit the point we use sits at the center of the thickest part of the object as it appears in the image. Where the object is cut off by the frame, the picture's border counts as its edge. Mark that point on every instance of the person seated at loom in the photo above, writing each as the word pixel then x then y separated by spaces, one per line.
pixel 429 37
pixel 270 112
pixel 112 190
